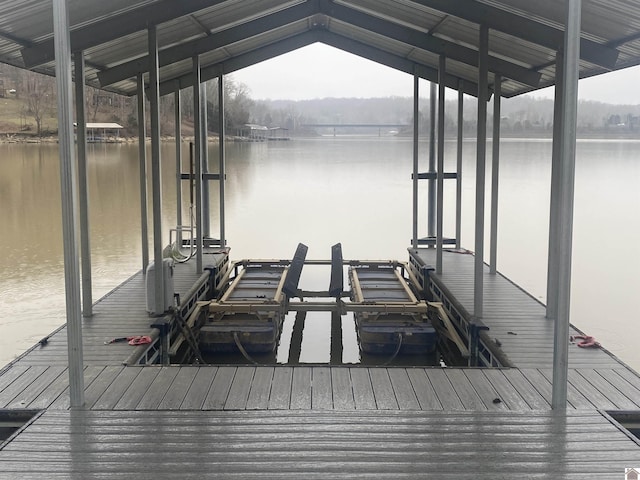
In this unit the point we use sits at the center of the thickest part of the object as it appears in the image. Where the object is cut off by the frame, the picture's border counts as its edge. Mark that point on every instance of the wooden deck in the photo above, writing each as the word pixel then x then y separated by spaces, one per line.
pixel 116 387
pixel 319 421
pixel 515 318
pixel 120 313
pixel 165 444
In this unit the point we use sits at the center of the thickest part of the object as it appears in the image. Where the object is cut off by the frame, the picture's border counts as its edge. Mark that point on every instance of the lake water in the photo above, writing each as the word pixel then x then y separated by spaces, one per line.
pixel 353 190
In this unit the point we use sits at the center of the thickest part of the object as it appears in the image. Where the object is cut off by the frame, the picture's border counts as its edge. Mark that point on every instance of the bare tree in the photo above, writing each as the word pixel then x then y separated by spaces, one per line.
pixel 40 101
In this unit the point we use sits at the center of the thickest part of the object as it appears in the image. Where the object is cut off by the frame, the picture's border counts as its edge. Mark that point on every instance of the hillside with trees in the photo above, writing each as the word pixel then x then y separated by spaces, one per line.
pixel 28 108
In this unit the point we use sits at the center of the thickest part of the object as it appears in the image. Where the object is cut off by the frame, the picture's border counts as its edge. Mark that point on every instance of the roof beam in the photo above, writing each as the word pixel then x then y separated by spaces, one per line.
pixel 307 38
pixel 115 27
pixel 426 42
pixel 396 62
pixel 522 27
pixel 209 43
pixel 242 61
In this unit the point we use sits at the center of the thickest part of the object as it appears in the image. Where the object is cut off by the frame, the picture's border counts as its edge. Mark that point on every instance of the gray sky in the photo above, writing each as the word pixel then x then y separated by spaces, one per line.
pixel 334 73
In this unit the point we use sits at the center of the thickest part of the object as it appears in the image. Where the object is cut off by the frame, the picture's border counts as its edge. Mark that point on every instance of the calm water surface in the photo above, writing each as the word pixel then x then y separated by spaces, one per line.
pixel 321 191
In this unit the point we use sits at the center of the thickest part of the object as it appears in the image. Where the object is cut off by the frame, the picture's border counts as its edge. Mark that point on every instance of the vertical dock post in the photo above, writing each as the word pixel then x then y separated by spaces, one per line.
pixel 156 177
pixel 142 158
pixel 431 183
pixel 83 185
pixel 553 256
pixel 483 73
pixel 68 178
pixel 442 66
pixel 495 171
pixel 416 124
pixel 197 131
pixel 204 152
pixel 565 197
pixel 222 158
pixel 177 110
pixel 459 166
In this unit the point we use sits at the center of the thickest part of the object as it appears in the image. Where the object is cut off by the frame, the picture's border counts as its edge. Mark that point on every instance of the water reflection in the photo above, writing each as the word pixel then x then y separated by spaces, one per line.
pixel 320 192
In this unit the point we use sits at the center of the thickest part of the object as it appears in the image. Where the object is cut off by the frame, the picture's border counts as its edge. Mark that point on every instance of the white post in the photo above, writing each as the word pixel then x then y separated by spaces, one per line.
pixel 83 186
pixel 177 111
pixel 553 256
pixel 197 146
pixel 68 178
pixel 222 163
pixel 416 124
pixel 565 202
pixel 483 72
pixel 142 159
pixel 156 177
pixel 431 183
pixel 204 152
pixel 495 171
pixel 459 166
pixel 440 169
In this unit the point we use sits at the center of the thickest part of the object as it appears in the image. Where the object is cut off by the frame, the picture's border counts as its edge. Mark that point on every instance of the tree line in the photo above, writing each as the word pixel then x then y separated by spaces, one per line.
pixel 33 97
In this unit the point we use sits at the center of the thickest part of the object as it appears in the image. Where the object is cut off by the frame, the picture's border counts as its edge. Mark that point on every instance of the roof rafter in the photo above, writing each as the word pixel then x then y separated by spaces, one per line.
pixel 242 61
pixel 307 38
pixel 426 42
pixel 396 62
pixel 521 27
pixel 209 43
pixel 115 27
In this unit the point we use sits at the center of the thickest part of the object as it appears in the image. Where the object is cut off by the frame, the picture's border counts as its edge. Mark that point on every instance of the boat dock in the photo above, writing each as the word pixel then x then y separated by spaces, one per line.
pixel 254 420
pixel 119 393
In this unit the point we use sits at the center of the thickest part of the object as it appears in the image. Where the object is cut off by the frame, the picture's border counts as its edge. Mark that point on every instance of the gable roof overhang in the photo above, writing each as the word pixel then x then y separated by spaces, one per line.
pixel 409 35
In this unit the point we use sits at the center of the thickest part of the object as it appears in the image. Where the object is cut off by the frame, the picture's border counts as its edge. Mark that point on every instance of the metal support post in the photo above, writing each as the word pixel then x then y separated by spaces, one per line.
pixel 204 151
pixel 459 166
pixel 68 177
pixel 416 134
pixel 83 186
pixel 495 171
pixel 442 66
pixel 156 177
pixel 474 340
pixel 565 203
pixel 431 183
pixel 222 158
pixel 553 256
pixel 483 73
pixel 177 104
pixel 197 128
pixel 142 158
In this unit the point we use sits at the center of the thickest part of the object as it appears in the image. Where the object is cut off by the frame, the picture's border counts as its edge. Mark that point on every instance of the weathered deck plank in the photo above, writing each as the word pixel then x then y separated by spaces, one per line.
pixel 194 399
pixel 425 393
pixel 280 397
pixel 342 389
pixel 301 388
pixel 362 389
pixel 320 445
pixel 321 392
pixel 514 317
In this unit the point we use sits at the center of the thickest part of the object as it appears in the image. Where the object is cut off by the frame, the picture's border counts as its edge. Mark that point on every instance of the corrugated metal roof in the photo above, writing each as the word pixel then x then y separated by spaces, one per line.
pixel 406 34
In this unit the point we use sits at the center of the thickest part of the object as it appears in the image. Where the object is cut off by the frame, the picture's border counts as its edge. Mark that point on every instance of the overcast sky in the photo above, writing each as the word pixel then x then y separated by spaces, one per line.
pixel 319 71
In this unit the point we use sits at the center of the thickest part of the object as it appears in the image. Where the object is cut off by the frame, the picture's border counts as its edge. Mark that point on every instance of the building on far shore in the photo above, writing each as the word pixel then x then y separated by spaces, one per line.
pixel 107 132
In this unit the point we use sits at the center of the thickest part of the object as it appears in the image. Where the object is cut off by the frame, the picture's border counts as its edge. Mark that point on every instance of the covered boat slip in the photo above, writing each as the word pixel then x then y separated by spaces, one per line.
pixel 100 411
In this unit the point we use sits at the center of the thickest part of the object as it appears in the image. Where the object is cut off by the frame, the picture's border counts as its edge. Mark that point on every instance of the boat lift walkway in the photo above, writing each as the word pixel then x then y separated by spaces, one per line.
pixel 250 421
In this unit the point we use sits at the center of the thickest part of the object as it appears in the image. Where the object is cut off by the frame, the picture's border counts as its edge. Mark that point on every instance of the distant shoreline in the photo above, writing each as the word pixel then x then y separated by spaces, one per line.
pixel 591 135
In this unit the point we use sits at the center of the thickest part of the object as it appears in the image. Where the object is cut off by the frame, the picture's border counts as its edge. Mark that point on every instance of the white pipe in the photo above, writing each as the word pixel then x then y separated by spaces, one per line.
pixel 68 179
pixel 565 203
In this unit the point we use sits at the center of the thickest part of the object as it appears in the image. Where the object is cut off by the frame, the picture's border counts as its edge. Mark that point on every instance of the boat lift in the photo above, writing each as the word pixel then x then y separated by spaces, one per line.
pixel 255 296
